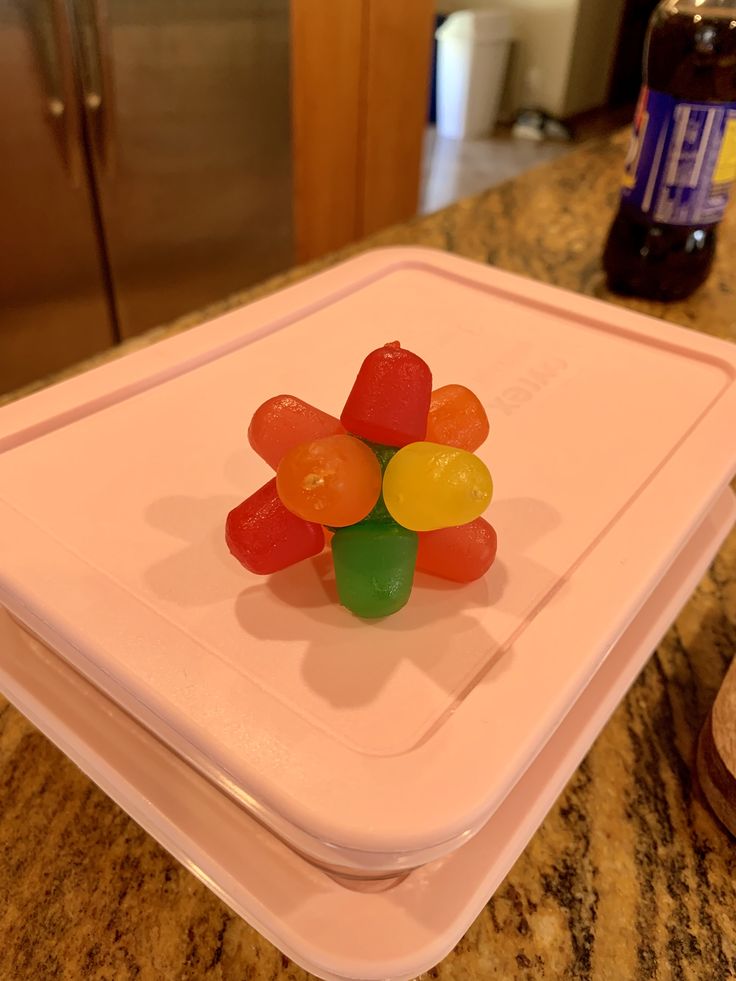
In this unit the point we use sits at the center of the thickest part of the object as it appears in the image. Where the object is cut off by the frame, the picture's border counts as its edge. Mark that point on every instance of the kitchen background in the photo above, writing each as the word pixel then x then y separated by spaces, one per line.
pixel 159 155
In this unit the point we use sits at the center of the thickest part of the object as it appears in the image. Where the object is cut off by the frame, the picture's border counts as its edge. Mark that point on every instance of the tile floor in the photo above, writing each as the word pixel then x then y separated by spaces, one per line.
pixel 453 169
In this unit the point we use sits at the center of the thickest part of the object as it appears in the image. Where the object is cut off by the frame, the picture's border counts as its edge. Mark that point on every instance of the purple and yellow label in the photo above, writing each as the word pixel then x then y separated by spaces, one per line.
pixel 681 162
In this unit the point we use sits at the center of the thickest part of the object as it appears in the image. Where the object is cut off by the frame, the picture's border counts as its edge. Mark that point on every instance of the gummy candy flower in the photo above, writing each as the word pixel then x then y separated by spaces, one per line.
pixel 395 481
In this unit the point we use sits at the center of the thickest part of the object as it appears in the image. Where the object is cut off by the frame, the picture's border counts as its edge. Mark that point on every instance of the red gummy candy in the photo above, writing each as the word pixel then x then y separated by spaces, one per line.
pixel 389 401
pixel 284 422
pixel 265 537
pixel 462 554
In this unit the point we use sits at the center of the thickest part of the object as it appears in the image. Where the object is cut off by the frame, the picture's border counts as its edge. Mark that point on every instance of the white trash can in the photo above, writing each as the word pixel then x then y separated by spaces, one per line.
pixel 472 53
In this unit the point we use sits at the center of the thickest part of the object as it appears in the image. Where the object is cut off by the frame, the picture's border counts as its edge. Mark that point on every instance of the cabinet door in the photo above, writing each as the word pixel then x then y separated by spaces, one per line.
pixel 394 109
pixel 360 93
pixel 53 305
pixel 326 66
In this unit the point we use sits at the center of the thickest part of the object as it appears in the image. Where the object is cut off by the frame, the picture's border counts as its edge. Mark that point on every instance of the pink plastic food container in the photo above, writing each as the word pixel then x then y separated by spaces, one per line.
pixel 302 761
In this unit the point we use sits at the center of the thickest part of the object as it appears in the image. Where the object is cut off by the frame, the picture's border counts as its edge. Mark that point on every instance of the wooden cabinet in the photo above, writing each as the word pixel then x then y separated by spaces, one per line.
pixel 360 86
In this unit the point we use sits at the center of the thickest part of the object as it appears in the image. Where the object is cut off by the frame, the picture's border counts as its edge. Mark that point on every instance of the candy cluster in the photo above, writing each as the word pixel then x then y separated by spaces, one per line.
pixel 394 482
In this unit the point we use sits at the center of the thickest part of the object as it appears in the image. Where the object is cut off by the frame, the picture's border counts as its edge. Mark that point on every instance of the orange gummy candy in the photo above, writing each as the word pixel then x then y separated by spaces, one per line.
pixel 284 422
pixel 334 481
pixel 457 418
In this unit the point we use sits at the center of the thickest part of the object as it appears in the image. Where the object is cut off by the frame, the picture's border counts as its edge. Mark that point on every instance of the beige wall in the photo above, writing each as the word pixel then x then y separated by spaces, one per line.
pixel 562 57
pixel 594 47
pixel 540 61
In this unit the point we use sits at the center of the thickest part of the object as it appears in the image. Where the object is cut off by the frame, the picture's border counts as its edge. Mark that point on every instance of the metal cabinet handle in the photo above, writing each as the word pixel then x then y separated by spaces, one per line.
pixel 51 29
pixel 96 75
pixel 69 113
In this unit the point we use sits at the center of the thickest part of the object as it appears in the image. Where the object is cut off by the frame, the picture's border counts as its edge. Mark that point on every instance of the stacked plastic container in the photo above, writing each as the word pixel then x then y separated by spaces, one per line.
pixel 298 759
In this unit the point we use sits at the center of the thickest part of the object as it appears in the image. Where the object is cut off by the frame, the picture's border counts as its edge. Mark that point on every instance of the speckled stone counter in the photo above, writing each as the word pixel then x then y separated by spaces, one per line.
pixel 629 877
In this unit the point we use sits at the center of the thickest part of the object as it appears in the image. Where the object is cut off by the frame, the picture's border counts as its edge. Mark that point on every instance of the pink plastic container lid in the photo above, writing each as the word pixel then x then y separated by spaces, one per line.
pixel 336 928
pixel 372 747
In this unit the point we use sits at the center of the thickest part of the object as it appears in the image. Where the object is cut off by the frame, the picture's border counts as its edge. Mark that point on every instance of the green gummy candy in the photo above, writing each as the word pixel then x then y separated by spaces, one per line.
pixel 380 512
pixel 384 454
pixel 374 567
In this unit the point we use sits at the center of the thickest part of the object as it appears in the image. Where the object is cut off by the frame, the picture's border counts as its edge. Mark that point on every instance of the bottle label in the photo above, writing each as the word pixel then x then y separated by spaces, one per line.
pixel 682 159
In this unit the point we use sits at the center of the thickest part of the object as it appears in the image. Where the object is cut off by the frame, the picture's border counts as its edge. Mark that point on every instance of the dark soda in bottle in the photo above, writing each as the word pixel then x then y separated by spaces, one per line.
pixel 682 157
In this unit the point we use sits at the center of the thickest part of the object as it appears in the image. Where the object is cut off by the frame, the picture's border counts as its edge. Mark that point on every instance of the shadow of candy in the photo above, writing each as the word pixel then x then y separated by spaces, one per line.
pixel 202 571
pixel 348 661
pixel 439 637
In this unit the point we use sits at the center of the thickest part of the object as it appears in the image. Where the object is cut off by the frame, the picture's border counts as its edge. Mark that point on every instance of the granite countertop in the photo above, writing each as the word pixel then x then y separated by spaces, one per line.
pixel 629 877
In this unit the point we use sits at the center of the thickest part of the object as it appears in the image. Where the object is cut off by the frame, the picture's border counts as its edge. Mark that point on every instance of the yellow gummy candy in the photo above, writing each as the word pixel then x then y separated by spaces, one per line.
pixel 428 486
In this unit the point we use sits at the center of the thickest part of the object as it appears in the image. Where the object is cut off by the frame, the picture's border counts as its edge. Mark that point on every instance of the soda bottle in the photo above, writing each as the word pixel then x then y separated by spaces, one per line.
pixel 682 157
